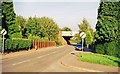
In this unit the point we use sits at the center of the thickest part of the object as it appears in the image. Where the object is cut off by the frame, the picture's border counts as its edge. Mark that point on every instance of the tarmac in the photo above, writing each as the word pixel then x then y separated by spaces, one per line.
pixel 71 61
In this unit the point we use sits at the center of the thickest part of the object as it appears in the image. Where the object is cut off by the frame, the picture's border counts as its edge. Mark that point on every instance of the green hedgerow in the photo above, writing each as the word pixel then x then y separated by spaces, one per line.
pixel 17 44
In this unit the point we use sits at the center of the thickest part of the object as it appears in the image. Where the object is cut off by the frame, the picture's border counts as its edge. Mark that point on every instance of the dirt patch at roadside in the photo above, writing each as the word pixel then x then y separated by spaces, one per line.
pixel 21 51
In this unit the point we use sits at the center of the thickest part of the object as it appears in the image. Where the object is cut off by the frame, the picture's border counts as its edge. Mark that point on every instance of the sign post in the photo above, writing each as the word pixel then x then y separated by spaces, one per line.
pixel 3 32
pixel 82 46
pixel 82 35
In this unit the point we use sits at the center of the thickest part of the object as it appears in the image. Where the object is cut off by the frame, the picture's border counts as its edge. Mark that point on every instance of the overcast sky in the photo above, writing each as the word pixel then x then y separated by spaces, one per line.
pixel 68 13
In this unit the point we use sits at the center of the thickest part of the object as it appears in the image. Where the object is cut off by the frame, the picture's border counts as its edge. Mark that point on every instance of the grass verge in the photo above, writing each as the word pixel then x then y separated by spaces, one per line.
pixel 100 59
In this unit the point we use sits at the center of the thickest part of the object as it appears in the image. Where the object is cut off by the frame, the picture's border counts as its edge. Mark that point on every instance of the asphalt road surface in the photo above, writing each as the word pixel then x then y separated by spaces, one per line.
pixel 44 60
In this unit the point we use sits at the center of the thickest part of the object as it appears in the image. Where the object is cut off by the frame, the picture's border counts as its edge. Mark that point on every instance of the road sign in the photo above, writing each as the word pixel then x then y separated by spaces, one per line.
pixel 82 35
pixel 3 32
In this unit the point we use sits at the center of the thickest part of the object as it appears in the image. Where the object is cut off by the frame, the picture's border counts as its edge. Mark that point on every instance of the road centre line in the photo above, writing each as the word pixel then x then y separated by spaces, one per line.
pixel 43 56
pixel 48 54
pixel 37 57
pixel 24 53
pixel 9 56
pixel 21 62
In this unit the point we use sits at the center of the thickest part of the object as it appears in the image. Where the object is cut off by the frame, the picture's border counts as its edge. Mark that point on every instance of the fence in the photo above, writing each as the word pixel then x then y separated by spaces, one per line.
pixel 42 44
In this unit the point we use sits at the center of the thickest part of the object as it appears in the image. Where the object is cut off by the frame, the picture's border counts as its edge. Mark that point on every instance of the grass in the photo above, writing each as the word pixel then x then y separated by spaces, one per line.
pixel 100 59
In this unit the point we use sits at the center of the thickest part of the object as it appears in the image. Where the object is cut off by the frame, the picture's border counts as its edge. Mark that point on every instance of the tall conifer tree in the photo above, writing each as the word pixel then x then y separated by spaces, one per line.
pixel 0 27
pixel 9 20
pixel 108 22
pixel 0 16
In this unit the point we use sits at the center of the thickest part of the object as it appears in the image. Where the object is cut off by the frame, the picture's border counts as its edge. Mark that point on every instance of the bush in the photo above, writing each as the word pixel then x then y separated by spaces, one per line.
pixel 17 44
pixel 92 46
pixel 37 38
pixel 99 48
pixel 58 42
pixel 109 48
pixel 16 35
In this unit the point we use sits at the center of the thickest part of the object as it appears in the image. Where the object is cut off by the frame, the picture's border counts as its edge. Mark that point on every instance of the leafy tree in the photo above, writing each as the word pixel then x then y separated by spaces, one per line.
pixel 21 22
pixel 91 31
pixel 89 38
pixel 119 23
pixel 51 27
pixel 34 27
pixel 84 26
pixel 33 37
pixel 107 25
pixel 66 29
pixel 42 27
pixel 77 38
pixel 60 29
pixel 8 20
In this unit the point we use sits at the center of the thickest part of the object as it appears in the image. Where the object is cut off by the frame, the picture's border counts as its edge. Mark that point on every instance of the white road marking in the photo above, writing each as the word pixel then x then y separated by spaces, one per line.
pixel 43 56
pixel 20 62
pixel 48 54
pixel 40 57
pixel 53 52
pixel 37 57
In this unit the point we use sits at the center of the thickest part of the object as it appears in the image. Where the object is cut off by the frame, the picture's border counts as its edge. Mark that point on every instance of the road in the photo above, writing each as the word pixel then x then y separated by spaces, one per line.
pixel 44 60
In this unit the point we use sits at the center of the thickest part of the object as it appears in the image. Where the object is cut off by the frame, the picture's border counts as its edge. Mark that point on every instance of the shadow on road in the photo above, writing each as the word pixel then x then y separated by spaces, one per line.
pixel 73 44
pixel 85 49
pixel 75 54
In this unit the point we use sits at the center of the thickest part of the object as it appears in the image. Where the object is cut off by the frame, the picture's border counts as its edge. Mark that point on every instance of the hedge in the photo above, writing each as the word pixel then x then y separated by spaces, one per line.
pixel 109 48
pixel 17 44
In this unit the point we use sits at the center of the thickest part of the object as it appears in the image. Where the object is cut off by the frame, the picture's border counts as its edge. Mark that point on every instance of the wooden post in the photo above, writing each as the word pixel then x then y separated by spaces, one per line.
pixel 38 44
pixel 45 44
pixel 42 44
pixel 33 43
